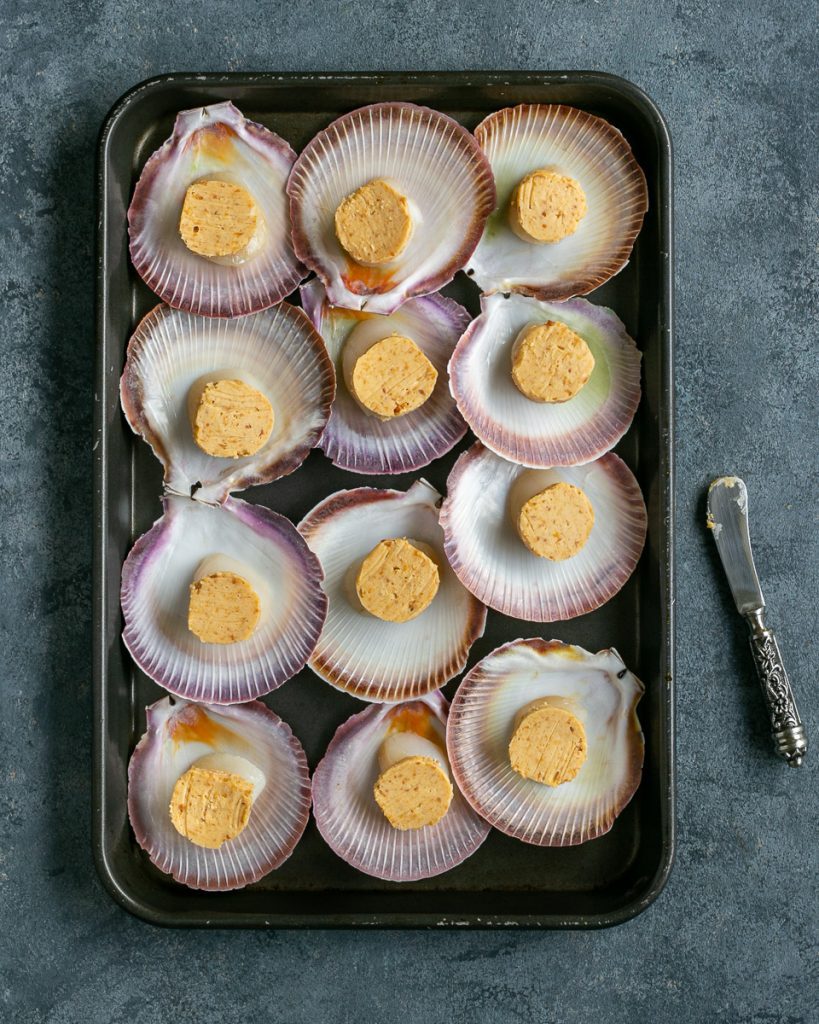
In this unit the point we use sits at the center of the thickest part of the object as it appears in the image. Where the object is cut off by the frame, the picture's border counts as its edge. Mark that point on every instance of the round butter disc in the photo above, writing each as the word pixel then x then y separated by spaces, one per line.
pixel 393 377
pixel 373 224
pixel 219 218
pixel 547 207
pixel 210 806
pixel 231 420
pixel 548 744
pixel 224 608
pixel 550 363
pixel 556 522
pixel 397 581
pixel 413 793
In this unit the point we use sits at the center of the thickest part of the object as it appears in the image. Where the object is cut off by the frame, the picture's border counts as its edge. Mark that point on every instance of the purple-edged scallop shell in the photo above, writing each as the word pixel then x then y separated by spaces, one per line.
pixel 432 160
pixel 488 556
pixel 277 351
pixel 214 142
pixel 353 825
pixel 363 443
pixel 602 693
pixel 178 734
pixel 530 137
pixel 275 560
pixel 537 433
pixel 359 653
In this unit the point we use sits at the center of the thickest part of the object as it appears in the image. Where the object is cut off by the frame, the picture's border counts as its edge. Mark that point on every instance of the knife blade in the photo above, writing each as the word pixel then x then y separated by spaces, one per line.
pixel 727 519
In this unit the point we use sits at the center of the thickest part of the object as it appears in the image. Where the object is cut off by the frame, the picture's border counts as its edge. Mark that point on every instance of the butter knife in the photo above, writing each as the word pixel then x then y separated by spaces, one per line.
pixel 727 519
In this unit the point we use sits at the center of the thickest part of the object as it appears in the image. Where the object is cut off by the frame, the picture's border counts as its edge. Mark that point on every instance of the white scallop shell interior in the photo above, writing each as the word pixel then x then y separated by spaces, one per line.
pixel 598 689
pixel 426 156
pixel 486 551
pixel 215 142
pixel 276 351
pixel 363 443
pixel 352 823
pixel 543 433
pixel 280 810
pixel 571 142
pixel 357 652
pixel 155 599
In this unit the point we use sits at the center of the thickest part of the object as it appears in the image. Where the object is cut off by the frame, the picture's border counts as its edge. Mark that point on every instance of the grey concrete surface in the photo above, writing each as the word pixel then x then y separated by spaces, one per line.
pixel 734 936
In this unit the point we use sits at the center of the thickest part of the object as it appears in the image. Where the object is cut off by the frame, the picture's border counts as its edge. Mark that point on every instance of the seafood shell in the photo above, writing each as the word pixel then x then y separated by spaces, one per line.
pixel 362 443
pixel 490 559
pixel 277 351
pixel 545 434
pixel 214 142
pixel 178 734
pixel 353 825
pixel 363 655
pixel 602 693
pixel 518 140
pixel 154 595
pixel 432 159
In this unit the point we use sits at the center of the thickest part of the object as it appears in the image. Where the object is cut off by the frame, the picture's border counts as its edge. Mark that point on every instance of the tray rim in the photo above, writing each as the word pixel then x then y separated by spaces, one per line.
pixel 120 893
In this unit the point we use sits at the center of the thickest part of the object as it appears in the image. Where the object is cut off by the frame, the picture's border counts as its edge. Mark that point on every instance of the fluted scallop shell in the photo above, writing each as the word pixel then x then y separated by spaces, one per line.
pixel 363 443
pixel 277 351
pixel 602 693
pixel 155 595
pixel 178 734
pixel 359 653
pixel 490 559
pixel 540 433
pixel 207 142
pixel 518 140
pixel 353 825
pixel 432 160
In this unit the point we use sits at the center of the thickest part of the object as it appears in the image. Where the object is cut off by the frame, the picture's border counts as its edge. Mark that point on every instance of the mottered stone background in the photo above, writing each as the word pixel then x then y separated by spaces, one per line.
pixel 734 935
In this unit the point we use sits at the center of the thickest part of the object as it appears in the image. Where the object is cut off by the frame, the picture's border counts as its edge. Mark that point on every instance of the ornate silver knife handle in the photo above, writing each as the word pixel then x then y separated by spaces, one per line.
pixel 786 726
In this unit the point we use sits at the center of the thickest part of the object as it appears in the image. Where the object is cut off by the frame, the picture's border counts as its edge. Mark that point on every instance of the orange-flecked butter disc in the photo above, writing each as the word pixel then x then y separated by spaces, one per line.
pixel 347 813
pixel 277 353
pixel 209 222
pixel 435 171
pixel 480 517
pixel 178 735
pixel 545 433
pixel 370 657
pixel 268 553
pixel 597 690
pixel 599 196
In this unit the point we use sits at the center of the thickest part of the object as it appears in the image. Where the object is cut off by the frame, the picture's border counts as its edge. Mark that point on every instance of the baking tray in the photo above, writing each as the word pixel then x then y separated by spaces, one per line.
pixel 506 883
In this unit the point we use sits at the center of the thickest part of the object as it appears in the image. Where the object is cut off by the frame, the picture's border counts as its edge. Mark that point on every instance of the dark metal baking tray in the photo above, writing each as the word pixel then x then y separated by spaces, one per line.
pixel 506 883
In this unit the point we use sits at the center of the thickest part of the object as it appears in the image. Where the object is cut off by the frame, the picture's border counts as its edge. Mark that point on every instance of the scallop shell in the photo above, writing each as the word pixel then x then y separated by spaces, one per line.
pixel 352 824
pixel 365 656
pixel 282 356
pixel 518 140
pixel 545 434
pixel 178 734
pixel 363 443
pixel 603 695
pixel 214 141
pixel 434 161
pixel 155 581
pixel 490 559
